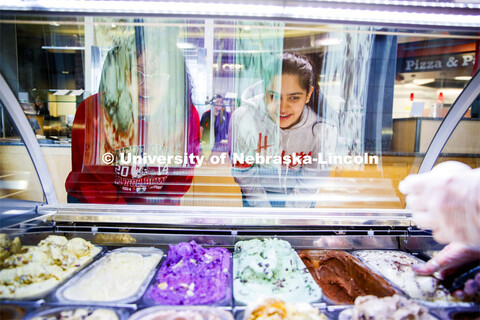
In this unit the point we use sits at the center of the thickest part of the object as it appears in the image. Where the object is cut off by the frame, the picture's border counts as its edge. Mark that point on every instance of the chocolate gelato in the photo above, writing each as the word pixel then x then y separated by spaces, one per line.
pixel 342 277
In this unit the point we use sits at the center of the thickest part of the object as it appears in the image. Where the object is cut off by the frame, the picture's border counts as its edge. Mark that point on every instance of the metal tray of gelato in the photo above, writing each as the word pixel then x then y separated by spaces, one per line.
pixel 391 307
pixel 265 268
pixel 182 312
pixel 192 275
pixel 35 271
pixel 279 309
pixel 119 277
pixel 79 312
pixel 396 267
pixel 342 277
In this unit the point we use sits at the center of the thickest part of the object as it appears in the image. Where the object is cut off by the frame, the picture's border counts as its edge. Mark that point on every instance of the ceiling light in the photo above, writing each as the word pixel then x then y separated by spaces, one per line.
pixel 464 78
pixel 185 45
pixel 327 42
pixel 422 81
pixel 62 48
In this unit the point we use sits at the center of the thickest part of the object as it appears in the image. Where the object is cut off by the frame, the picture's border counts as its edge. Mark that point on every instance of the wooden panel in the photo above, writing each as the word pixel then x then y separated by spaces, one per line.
pixel 404 133
pixel 464 139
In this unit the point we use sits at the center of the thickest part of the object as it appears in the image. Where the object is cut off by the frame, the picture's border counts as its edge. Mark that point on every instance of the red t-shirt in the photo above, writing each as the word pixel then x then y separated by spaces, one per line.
pixel 123 184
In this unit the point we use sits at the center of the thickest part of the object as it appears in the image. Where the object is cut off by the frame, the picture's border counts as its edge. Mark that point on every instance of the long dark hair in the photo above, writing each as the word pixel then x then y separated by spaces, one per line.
pixel 302 66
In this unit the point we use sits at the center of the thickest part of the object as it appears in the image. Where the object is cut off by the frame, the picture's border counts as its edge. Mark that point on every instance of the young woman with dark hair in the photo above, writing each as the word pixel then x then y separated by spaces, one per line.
pixel 277 120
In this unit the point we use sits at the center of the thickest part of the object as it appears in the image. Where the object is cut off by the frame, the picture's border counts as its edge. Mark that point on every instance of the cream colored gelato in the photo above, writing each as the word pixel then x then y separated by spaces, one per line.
pixel 81 314
pixel 41 268
pixel 388 308
pixel 396 267
pixel 117 276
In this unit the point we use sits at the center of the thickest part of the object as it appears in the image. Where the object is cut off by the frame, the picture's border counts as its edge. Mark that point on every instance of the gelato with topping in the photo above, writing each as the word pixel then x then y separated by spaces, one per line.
pixel 396 266
pixel 192 275
pixel 41 268
pixel 271 268
pixel 388 308
pixel 273 309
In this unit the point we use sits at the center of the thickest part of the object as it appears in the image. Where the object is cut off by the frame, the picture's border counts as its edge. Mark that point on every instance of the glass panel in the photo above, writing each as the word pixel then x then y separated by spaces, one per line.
pixel 464 143
pixel 18 178
pixel 186 102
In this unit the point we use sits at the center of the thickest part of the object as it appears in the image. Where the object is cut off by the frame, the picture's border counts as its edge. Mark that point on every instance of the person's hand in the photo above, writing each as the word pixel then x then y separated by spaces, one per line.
pixel 450 259
pixel 447 201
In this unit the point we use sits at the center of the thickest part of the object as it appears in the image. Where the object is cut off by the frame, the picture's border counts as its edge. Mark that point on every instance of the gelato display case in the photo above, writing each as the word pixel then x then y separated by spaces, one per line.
pixel 207 239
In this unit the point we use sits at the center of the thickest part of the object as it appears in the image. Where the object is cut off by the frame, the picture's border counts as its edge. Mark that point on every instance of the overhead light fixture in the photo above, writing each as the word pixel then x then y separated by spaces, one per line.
pixel 406 13
pixel 327 42
pixel 464 78
pixel 185 45
pixel 55 24
pixel 62 48
pixel 422 81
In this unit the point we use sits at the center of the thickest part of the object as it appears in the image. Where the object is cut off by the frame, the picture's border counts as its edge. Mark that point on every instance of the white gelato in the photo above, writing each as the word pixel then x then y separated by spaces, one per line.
pixel 117 276
pixel 396 267
pixel 388 308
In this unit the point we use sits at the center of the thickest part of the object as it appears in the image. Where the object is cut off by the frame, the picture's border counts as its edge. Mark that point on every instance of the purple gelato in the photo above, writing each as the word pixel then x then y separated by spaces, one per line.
pixel 192 275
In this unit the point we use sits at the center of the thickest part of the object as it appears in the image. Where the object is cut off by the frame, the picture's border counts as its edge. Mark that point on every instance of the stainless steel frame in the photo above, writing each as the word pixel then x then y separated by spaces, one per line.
pixel 226 218
pixel 455 15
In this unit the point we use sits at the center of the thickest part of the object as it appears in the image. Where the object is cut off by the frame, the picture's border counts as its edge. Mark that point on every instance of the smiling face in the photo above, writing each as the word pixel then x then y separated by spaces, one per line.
pixel 292 99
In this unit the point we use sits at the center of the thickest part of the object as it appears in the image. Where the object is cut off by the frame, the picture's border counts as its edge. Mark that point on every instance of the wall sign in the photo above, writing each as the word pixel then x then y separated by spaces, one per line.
pixel 436 63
